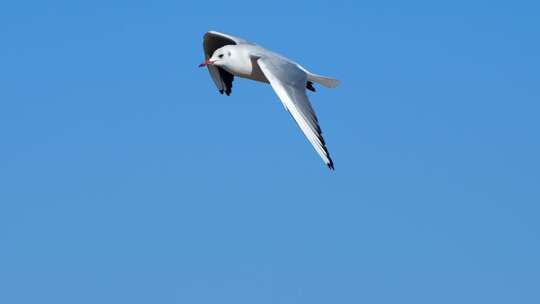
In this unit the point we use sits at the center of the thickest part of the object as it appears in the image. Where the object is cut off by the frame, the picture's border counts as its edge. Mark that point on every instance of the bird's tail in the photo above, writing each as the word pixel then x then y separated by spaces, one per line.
pixel 325 81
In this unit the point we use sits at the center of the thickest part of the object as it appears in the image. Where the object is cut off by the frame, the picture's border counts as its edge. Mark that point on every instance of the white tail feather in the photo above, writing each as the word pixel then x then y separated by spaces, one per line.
pixel 323 80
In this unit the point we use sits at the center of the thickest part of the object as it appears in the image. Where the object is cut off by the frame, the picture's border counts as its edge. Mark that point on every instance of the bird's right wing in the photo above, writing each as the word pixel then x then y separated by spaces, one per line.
pixel 289 83
pixel 211 42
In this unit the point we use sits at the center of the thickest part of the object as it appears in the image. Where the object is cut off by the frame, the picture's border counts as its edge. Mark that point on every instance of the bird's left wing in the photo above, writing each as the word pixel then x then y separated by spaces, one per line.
pixel 289 83
pixel 211 42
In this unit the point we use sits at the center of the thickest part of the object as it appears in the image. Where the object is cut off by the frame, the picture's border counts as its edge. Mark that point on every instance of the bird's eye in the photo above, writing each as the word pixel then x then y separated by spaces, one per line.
pixel 220 56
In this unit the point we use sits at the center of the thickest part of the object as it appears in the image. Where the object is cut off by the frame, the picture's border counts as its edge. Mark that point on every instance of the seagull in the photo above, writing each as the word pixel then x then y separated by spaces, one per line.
pixel 227 56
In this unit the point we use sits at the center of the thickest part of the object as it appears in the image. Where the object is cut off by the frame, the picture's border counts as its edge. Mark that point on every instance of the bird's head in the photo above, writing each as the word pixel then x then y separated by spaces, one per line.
pixel 221 57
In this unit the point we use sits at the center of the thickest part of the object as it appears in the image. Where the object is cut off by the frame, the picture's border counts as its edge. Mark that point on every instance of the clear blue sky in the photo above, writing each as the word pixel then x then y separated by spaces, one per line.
pixel 126 178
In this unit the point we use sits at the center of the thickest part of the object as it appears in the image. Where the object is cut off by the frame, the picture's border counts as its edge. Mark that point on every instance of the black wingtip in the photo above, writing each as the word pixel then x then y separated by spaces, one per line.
pixel 227 92
pixel 331 165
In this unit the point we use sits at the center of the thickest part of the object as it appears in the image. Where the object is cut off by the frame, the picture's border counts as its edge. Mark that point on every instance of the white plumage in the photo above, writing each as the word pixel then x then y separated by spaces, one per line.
pixel 227 56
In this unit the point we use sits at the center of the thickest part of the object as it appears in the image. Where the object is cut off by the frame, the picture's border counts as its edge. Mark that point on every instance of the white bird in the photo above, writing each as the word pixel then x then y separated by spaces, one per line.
pixel 227 56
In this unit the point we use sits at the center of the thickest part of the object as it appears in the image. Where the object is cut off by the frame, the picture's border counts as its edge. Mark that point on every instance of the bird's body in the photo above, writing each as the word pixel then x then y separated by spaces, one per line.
pixel 228 56
pixel 244 65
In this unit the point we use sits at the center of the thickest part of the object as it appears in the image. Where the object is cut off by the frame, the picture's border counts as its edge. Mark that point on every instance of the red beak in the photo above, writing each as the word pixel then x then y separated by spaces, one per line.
pixel 205 63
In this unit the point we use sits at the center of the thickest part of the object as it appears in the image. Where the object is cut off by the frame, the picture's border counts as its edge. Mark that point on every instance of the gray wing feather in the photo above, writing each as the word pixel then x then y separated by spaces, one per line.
pixel 211 42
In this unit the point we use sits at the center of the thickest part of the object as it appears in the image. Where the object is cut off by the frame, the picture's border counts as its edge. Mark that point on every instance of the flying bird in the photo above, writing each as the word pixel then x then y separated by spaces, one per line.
pixel 227 56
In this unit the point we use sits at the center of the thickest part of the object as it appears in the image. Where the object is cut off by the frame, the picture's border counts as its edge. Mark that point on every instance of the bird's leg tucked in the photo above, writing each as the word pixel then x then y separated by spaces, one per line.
pixel 309 86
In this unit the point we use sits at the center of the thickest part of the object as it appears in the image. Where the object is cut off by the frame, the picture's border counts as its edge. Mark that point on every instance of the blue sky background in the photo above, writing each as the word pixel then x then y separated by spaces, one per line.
pixel 126 178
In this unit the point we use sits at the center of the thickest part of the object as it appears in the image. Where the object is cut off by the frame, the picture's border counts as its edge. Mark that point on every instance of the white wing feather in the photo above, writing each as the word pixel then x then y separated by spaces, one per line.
pixel 235 39
pixel 289 83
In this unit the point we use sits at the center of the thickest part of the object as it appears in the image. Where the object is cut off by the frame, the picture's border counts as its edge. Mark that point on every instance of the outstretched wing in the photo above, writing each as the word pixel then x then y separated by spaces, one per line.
pixel 211 42
pixel 289 83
